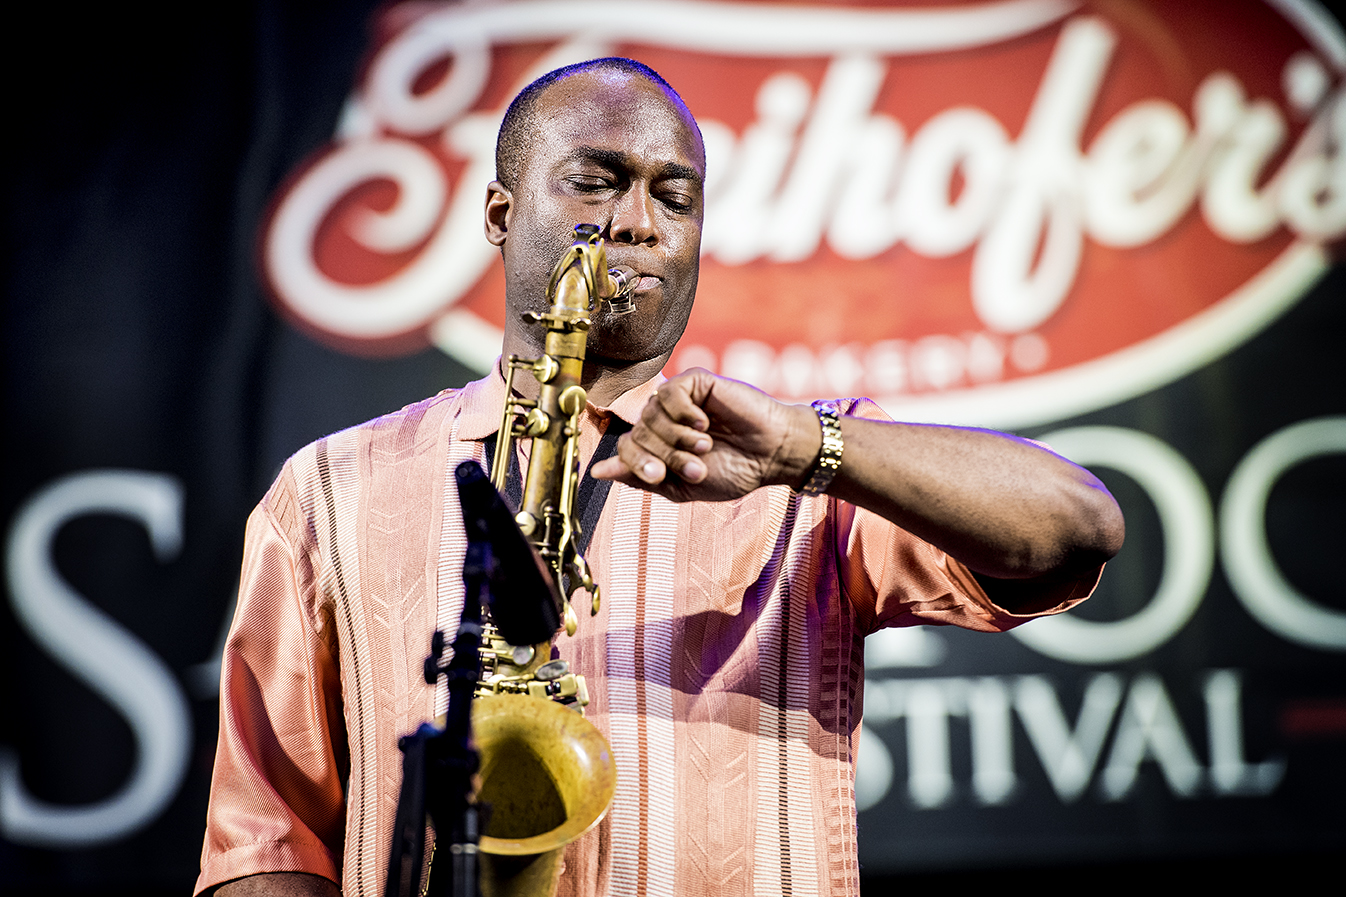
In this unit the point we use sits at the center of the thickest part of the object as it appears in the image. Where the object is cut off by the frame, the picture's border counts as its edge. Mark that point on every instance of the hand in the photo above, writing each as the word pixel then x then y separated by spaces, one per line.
pixel 708 438
pixel 1005 507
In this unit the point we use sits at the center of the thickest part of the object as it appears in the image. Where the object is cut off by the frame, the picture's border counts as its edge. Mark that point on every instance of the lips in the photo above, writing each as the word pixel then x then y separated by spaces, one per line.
pixel 644 280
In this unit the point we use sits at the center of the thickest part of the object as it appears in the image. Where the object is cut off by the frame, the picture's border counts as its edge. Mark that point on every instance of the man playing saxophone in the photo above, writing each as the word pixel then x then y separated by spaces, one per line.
pixel 745 549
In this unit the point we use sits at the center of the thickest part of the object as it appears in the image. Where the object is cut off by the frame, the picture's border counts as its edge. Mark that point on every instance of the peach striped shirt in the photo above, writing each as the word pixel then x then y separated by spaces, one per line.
pixel 725 666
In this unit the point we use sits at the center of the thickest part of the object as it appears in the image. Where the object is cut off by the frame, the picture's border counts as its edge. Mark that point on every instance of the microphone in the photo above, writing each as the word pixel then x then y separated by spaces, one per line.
pixel 521 595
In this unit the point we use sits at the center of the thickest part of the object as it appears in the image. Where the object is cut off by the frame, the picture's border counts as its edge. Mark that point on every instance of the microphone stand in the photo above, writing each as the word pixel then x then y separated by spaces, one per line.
pixel 438 764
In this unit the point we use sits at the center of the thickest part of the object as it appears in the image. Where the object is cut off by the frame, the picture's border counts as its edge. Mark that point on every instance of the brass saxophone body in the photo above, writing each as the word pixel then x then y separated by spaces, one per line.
pixel 546 772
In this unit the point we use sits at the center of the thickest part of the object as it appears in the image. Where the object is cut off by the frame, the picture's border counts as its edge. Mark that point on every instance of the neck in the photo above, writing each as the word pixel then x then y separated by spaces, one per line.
pixel 604 382
pixel 603 379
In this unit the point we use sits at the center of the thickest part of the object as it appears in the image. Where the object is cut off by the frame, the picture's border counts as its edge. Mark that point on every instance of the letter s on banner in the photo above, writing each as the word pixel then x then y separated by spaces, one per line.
pixel 100 652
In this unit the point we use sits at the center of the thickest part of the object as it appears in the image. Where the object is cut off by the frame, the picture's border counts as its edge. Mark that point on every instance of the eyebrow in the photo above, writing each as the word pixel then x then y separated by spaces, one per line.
pixel 622 160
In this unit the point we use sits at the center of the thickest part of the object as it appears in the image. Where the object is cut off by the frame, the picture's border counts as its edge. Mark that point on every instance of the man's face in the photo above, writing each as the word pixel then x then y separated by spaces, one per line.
pixel 610 149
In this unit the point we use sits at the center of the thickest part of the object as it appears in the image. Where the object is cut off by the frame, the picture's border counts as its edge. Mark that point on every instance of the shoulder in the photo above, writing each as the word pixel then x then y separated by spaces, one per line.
pixel 329 467
pixel 415 421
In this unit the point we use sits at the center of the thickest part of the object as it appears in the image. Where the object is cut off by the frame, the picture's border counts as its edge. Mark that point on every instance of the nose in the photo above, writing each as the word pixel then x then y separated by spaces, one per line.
pixel 633 218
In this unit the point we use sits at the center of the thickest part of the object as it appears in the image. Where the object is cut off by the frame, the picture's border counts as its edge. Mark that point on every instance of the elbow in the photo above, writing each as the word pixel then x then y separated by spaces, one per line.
pixel 1099 528
pixel 1085 532
pixel 1116 532
pixel 1085 538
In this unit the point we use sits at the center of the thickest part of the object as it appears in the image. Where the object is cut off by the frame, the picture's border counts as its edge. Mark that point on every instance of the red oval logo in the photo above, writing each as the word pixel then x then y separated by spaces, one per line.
pixel 999 212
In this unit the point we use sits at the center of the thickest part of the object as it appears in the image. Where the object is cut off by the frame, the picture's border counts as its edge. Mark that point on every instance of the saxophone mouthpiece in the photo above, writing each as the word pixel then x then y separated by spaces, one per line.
pixel 623 281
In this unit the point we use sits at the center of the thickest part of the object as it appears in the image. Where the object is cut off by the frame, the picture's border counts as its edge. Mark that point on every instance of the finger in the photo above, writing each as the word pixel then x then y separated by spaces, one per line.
pixel 610 469
pixel 643 457
pixel 651 471
pixel 677 436
pixel 682 397
pixel 688 467
pixel 651 458
pixel 675 446
pixel 674 491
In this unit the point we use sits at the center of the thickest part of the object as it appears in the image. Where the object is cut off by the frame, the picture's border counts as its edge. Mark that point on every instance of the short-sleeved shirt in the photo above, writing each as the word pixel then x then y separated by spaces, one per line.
pixel 725 665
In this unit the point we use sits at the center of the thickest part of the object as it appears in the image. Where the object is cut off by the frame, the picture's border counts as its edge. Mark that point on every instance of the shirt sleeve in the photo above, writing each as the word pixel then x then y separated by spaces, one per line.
pixel 892 578
pixel 276 799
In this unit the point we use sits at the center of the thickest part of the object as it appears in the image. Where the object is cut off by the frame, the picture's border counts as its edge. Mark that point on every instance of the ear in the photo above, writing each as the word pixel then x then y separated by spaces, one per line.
pixel 499 209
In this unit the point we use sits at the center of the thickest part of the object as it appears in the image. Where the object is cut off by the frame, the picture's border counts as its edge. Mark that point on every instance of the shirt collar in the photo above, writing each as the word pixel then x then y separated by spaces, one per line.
pixel 483 400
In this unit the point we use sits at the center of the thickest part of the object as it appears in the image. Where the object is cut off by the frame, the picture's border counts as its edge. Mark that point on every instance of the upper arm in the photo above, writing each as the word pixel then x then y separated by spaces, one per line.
pixel 279 884
pixel 893 578
pixel 276 801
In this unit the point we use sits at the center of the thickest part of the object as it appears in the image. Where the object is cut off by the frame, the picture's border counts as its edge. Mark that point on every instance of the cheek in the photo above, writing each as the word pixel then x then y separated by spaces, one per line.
pixel 538 248
pixel 683 242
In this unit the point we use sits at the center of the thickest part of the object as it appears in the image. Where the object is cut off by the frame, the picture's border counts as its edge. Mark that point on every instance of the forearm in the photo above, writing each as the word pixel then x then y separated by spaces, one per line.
pixel 1005 507
pixel 279 884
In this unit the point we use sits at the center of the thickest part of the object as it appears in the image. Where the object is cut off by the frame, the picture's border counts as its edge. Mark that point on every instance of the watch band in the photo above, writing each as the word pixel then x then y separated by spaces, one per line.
pixel 829 457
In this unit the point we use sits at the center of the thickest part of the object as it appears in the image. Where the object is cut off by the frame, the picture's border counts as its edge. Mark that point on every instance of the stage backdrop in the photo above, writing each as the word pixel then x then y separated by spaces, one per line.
pixel 1107 225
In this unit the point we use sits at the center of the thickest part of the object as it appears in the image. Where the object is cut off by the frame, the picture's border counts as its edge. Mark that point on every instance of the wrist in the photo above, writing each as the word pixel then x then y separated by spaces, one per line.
pixel 828 447
pixel 797 450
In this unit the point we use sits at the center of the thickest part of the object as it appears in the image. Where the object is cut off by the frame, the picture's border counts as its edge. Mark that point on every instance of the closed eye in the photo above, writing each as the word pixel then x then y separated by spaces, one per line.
pixel 678 196
pixel 589 183
pixel 677 202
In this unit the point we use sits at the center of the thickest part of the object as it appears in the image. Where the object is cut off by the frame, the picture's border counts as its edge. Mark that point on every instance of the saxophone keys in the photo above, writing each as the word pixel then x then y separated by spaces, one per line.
pixel 566 688
pixel 551 670
pixel 571 400
pixel 537 422
pixel 572 621
pixel 545 369
pixel 581 691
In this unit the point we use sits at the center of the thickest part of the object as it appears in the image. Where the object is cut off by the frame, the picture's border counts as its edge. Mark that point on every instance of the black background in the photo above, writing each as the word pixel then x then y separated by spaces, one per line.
pixel 142 151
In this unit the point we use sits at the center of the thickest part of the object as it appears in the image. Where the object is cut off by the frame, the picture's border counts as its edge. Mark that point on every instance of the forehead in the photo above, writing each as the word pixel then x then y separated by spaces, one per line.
pixel 619 111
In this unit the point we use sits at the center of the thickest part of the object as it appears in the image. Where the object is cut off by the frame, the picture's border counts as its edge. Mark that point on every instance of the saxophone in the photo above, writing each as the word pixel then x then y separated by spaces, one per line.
pixel 546 772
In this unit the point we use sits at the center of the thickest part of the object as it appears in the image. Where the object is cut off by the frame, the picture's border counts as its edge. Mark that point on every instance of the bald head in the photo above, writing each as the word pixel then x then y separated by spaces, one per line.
pixel 606 143
pixel 518 126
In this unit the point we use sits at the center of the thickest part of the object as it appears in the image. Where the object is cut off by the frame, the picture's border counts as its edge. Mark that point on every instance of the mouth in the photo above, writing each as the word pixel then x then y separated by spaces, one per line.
pixel 643 280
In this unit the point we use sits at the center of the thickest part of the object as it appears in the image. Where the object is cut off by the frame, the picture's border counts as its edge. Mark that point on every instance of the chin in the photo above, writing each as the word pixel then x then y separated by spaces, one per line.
pixel 613 348
pixel 632 338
